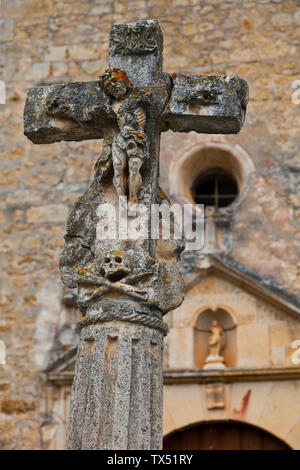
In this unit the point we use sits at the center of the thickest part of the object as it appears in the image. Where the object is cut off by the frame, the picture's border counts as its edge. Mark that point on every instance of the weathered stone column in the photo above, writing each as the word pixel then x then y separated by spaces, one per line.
pixel 117 391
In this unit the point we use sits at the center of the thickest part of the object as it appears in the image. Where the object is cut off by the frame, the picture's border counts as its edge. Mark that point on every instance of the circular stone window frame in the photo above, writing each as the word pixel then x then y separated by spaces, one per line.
pixel 203 157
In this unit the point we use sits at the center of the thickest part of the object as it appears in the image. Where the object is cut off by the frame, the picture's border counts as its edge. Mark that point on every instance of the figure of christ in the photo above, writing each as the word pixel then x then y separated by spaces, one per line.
pixel 129 146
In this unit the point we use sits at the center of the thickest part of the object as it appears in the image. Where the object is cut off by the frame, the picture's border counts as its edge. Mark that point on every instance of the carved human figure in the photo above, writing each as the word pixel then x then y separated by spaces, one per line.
pixel 129 146
pixel 216 340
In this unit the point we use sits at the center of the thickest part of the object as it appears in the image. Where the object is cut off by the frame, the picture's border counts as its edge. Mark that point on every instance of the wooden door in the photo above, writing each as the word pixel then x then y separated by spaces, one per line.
pixel 231 435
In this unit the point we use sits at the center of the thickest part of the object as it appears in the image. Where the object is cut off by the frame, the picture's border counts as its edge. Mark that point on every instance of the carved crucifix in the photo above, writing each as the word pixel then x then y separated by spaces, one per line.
pixel 125 286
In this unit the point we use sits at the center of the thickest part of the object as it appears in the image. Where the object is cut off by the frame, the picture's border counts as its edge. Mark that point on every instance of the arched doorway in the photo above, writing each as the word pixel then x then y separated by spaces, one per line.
pixel 229 435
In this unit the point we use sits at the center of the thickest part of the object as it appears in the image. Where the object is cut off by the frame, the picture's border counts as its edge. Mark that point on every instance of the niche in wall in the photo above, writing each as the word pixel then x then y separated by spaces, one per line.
pixel 202 333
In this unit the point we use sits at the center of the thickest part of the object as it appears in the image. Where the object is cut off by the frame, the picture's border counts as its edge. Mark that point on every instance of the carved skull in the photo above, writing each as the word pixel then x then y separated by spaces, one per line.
pixel 115 266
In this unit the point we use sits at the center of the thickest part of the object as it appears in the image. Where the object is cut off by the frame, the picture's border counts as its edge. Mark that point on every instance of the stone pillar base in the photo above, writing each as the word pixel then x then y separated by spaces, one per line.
pixel 214 362
pixel 116 400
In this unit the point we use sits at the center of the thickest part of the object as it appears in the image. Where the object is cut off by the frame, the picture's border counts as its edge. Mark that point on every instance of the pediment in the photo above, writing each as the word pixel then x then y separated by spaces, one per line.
pixel 61 370
pixel 241 278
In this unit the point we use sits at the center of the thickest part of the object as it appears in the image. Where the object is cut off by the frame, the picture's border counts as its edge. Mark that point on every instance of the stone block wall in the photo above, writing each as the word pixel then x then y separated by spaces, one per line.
pixel 45 41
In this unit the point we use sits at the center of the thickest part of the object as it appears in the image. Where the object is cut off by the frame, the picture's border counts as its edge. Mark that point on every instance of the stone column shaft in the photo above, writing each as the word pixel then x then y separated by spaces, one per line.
pixel 116 400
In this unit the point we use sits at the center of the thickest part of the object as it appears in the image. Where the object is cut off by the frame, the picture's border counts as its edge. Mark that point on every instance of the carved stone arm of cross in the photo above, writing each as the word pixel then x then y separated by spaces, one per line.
pixel 80 111
pixel 74 111
pixel 208 104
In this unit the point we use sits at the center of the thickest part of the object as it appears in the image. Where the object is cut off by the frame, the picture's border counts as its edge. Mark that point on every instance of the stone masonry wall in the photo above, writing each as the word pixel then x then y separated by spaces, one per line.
pixel 45 41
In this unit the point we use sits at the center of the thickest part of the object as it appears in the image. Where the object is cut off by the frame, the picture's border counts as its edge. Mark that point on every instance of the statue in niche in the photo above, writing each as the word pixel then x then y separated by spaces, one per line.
pixel 216 343
pixel 216 339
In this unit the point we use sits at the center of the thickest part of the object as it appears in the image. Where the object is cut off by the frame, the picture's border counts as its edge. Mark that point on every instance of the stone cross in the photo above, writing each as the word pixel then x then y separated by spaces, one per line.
pixel 125 286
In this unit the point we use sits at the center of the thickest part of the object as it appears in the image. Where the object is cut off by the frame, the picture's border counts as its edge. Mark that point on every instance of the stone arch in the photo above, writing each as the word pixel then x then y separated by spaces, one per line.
pixel 224 435
pixel 213 308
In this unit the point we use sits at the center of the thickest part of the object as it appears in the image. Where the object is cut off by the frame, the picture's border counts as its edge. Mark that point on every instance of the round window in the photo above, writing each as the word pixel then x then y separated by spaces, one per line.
pixel 215 187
